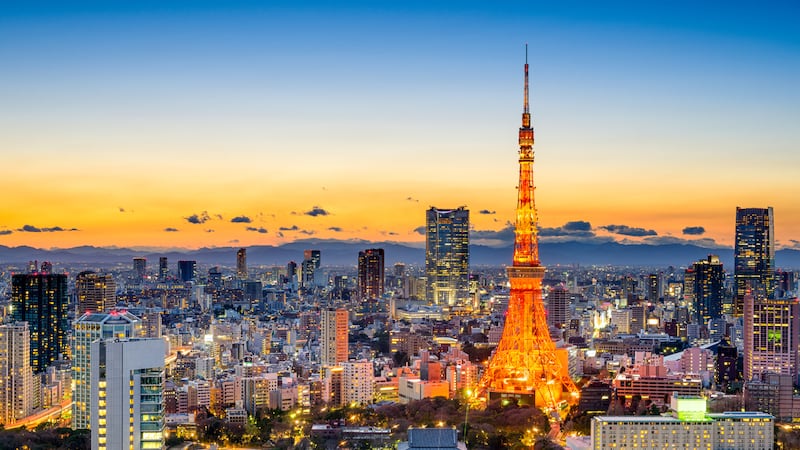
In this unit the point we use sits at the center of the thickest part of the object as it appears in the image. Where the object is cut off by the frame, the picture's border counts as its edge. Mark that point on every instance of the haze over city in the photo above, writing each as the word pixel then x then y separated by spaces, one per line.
pixel 167 124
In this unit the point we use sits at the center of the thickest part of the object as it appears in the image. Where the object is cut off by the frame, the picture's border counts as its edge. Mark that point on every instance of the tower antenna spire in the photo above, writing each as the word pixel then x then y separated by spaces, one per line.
pixel 526 108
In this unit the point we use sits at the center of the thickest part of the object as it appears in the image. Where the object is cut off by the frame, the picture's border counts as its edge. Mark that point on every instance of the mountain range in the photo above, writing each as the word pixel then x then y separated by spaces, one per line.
pixel 345 253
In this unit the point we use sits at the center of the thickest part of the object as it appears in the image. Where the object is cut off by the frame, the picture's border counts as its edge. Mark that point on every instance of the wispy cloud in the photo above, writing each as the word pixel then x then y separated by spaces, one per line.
pixel 576 228
pixel 171 230
pixel 420 230
pixel 694 231
pixel 257 229
pixel 486 211
pixel 626 230
pixel 316 211
pixel 197 219
pixel 291 228
pixel 241 219
pixel 5 232
pixel 335 229
pixel 34 229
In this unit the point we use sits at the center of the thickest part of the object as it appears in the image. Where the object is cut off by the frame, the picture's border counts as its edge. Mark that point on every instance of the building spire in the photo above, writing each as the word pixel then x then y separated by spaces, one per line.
pixel 526 109
pixel 526 245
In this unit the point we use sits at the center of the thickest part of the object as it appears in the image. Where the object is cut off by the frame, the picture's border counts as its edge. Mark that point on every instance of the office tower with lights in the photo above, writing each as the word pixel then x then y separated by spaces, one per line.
pixel 334 323
pixel 96 292
pixel 40 299
pixel 370 273
pixel 16 375
pixel 241 263
pixel 754 255
pixel 139 269
pixel 312 260
pixel 558 307
pixel 117 324
pixel 163 269
pixel 709 289
pixel 771 336
pixel 126 394
pixel 447 255
pixel 655 287
pixel 187 271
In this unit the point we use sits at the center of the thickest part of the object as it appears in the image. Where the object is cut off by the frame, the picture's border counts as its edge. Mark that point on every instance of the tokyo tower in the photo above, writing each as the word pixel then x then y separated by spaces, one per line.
pixel 526 367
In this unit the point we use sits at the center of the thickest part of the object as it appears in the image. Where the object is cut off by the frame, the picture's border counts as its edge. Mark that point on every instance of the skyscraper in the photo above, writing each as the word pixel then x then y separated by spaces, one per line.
pixel 126 394
pixel 558 307
pixel 187 271
pixel 370 273
pixel 241 263
pixel 709 289
pixel 41 300
pixel 447 255
pixel 97 292
pixel 312 260
pixel 163 269
pixel 333 348
pixel 87 329
pixel 16 375
pixel 139 269
pixel 754 255
pixel 771 336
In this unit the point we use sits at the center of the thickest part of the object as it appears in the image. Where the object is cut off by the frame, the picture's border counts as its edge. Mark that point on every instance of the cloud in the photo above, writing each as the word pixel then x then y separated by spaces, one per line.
pixel 261 230
pixel 197 219
pixel 412 199
pixel 241 219
pixel 392 233
pixel 667 240
pixel 625 230
pixel 308 232
pixel 121 209
pixel 32 229
pixel 209 230
pixel 5 232
pixel 336 229
pixel 280 235
pixel 171 230
pixel 316 211
pixel 291 228
pixel 420 230
pixel 493 238
pixel 486 211
pixel 694 231
pixel 576 228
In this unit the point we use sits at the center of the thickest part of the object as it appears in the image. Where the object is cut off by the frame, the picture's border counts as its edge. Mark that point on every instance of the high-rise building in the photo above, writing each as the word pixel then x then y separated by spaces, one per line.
pixel 16 375
pixel 754 255
pixel 558 307
pixel 334 323
pixel 127 376
pixel 655 287
pixel 97 292
pixel 241 263
pixel 139 269
pixel 312 259
pixel 187 271
pixel 771 336
pixel 447 255
pixel 709 289
pixel 163 269
pixel 116 324
pixel 358 382
pixel 41 300
pixel 370 273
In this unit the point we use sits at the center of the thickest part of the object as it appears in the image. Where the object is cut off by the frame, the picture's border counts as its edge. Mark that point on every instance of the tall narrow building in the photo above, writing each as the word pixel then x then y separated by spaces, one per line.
pixel 40 299
pixel 754 255
pixel 370 273
pixel 771 336
pixel 16 375
pixel 447 255
pixel 241 263
pixel 163 269
pixel 333 348
pixel 87 329
pixel 127 377
pixel 97 292
pixel 312 260
pixel 709 289
pixel 139 269
pixel 527 367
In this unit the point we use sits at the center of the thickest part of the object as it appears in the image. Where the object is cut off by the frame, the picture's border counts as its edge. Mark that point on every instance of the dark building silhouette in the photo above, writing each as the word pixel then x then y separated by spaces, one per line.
pixel 41 300
pixel 754 255
pixel 709 289
pixel 371 273
pixel 187 270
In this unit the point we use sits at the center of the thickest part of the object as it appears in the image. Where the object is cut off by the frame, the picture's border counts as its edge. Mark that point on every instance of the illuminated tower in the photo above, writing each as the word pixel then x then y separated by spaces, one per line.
pixel 447 255
pixel 754 255
pixel 96 292
pixel 163 269
pixel 241 263
pixel 370 273
pixel 333 336
pixel 526 366
pixel 16 374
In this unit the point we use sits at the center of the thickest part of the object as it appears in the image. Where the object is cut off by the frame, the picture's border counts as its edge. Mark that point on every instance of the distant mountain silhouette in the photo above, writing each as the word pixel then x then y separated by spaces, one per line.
pixel 345 253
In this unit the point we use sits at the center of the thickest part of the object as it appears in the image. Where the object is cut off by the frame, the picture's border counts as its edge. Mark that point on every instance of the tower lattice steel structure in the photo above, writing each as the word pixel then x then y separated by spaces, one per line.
pixel 526 366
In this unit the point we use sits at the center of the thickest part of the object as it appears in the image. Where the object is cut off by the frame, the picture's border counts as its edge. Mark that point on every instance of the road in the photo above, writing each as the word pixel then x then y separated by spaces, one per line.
pixel 42 416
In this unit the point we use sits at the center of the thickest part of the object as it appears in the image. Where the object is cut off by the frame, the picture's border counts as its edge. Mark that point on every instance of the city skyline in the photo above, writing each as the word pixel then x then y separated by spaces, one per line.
pixel 235 124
